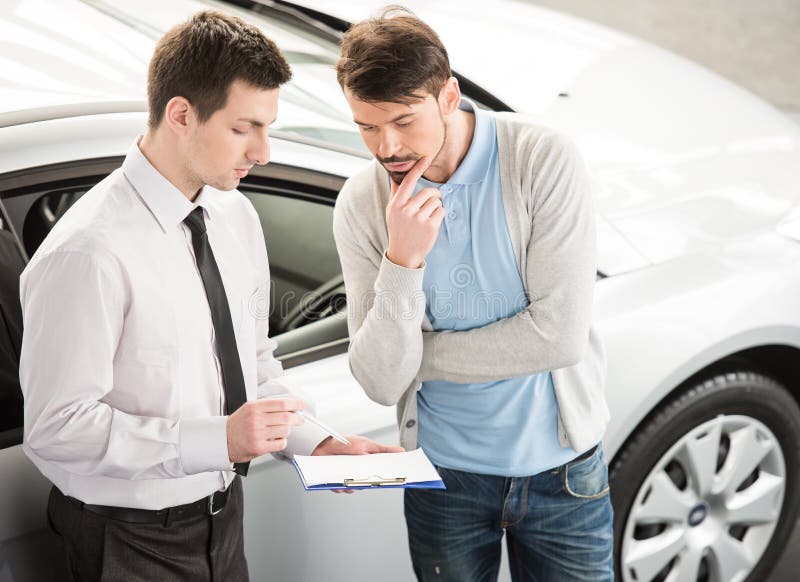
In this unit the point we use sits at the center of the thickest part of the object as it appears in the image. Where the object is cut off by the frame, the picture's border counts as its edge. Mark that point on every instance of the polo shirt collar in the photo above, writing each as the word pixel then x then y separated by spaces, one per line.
pixel 167 204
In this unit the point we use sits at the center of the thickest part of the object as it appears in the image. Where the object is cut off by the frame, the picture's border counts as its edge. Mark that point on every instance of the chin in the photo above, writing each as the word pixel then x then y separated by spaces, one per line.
pixel 225 185
pixel 397 177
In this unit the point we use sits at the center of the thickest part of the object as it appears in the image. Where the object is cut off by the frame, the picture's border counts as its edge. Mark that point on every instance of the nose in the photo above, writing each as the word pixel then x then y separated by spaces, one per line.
pixel 259 150
pixel 389 145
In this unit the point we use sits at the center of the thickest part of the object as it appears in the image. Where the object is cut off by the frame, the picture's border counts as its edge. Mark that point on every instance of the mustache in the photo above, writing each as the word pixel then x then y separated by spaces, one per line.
pixel 398 159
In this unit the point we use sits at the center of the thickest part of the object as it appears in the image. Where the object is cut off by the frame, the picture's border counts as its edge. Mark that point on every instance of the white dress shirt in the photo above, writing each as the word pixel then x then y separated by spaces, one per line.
pixel 123 394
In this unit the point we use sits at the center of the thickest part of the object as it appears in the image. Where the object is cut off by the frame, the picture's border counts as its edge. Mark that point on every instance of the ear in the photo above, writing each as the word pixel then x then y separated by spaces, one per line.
pixel 179 115
pixel 449 96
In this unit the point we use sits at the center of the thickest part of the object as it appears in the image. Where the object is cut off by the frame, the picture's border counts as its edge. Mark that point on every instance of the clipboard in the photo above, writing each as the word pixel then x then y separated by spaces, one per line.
pixel 411 470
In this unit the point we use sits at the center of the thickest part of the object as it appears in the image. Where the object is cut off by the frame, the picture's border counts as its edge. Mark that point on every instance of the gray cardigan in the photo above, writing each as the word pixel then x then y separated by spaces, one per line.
pixel 548 205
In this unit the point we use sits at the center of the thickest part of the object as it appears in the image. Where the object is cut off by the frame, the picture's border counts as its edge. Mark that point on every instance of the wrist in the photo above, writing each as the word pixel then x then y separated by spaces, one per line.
pixel 401 261
pixel 320 448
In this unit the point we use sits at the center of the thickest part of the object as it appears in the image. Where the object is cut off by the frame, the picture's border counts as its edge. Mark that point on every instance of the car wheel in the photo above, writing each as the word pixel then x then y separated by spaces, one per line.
pixel 707 488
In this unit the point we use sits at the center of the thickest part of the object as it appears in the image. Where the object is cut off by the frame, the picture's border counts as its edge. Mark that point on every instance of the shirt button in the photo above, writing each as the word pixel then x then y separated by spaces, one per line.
pixel 446 189
pixel 411 423
pixel 452 215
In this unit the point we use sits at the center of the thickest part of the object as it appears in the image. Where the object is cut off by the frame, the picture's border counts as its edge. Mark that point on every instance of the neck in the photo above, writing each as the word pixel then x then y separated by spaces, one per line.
pixel 160 152
pixel 460 130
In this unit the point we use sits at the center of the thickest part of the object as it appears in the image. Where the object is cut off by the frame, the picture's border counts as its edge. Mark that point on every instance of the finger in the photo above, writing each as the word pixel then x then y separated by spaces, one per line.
pixel 381 448
pixel 437 217
pixel 431 206
pixel 406 188
pixel 281 419
pixel 421 198
pixel 272 433
pixel 271 446
pixel 268 405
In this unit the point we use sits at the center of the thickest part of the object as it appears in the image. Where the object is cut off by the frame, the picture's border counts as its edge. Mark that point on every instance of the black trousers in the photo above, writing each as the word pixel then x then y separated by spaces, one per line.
pixel 201 548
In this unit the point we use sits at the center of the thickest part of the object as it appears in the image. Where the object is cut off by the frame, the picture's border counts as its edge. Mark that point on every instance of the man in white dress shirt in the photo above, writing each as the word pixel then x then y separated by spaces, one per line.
pixel 145 372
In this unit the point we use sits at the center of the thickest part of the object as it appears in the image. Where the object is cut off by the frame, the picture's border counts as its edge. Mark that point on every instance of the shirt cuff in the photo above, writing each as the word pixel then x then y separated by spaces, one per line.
pixel 396 278
pixel 303 440
pixel 203 445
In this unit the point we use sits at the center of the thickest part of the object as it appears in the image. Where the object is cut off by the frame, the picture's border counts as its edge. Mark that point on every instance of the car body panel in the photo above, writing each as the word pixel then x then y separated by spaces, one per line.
pixel 659 336
pixel 87 137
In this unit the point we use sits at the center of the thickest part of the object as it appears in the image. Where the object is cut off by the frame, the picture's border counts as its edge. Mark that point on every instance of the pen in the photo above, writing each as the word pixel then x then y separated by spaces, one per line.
pixel 323 426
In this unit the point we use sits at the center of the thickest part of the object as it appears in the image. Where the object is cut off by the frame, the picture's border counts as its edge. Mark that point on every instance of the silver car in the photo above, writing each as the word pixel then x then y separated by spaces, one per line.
pixel 697 299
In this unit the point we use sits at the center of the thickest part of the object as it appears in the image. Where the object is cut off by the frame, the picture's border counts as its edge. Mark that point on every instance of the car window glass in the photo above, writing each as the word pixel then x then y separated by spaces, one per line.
pixel 11 265
pixel 306 277
pixel 304 266
pixel 46 210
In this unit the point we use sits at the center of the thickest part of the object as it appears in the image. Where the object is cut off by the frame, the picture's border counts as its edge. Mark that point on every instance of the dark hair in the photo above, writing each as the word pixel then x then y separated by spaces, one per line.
pixel 200 58
pixel 393 57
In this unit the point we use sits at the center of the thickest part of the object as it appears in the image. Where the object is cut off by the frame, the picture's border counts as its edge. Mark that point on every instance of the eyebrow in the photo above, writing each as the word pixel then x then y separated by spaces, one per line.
pixel 255 122
pixel 396 119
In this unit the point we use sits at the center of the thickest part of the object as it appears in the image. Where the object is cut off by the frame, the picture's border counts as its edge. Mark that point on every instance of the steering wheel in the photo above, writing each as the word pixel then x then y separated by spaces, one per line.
pixel 324 301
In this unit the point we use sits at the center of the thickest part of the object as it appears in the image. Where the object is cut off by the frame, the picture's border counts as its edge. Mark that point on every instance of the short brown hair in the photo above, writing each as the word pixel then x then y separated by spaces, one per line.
pixel 200 58
pixel 393 57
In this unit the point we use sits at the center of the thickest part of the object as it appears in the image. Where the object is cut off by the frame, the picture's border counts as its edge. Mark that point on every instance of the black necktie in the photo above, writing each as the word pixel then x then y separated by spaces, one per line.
pixel 232 377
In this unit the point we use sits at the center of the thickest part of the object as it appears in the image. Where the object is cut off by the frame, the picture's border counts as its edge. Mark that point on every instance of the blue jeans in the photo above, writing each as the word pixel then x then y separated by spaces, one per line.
pixel 558 525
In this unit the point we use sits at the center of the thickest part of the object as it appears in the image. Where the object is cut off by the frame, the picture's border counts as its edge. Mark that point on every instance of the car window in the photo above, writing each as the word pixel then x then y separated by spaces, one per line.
pixel 305 273
pixel 11 265
pixel 46 210
pixel 304 267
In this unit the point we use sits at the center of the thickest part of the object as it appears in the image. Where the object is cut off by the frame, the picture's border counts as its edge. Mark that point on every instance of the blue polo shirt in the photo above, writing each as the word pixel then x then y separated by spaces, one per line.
pixel 508 427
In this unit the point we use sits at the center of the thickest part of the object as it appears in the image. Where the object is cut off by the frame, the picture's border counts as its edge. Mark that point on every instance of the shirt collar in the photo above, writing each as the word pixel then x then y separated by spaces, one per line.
pixel 167 204
pixel 475 165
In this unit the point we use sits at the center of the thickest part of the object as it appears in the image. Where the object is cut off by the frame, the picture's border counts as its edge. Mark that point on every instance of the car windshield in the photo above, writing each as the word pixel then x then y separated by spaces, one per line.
pixel 311 104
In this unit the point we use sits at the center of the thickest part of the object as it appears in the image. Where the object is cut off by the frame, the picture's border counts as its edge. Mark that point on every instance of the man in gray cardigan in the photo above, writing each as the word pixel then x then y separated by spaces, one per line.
pixel 468 253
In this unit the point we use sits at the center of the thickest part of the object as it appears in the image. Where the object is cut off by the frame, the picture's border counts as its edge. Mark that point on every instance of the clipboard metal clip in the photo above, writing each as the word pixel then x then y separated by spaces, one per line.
pixel 374 481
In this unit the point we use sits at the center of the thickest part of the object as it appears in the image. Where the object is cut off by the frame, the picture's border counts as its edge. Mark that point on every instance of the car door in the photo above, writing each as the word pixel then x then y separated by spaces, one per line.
pixel 307 320
pixel 32 201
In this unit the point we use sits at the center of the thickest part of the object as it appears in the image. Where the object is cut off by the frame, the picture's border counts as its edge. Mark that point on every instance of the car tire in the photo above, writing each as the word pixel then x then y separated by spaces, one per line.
pixel 742 411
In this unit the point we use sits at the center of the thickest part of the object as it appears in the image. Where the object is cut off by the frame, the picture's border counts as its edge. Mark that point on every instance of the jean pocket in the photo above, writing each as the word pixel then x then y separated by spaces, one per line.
pixel 586 479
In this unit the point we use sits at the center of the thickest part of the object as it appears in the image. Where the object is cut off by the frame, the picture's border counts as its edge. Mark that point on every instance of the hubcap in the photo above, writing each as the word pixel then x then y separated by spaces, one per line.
pixel 698 513
pixel 708 509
